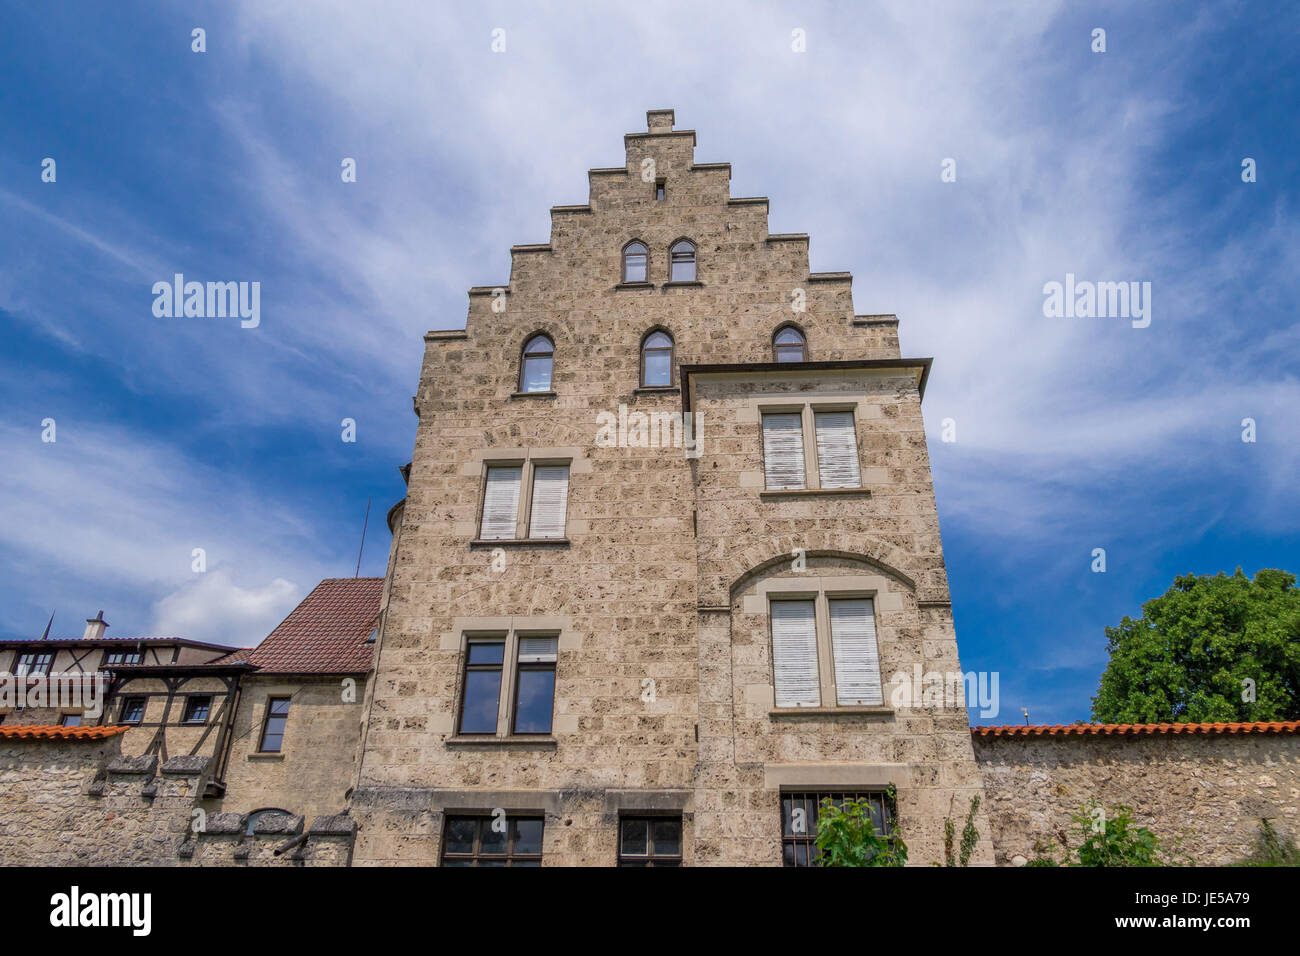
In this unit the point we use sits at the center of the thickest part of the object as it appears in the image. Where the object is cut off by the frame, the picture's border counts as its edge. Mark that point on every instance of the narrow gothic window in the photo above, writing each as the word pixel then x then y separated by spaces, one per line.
pixel 790 345
pixel 657 359
pixel 635 257
pixel 682 258
pixel 539 358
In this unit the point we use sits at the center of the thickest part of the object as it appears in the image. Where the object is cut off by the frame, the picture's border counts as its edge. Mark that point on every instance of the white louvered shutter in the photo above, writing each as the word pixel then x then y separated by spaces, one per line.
pixel 794 654
pixel 783 450
pixel 550 501
pixel 837 450
pixel 857 660
pixel 537 650
pixel 501 502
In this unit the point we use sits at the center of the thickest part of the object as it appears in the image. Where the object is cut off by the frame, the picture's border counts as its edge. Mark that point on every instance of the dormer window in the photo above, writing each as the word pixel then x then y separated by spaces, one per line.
pixel 682 261
pixel 790 345
pixel 535 373
pixel 635 259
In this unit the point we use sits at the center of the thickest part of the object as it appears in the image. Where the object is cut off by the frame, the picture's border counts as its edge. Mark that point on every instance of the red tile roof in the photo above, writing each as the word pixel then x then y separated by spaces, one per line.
pixel 1133 730
pixel 326 633
pixel 35 732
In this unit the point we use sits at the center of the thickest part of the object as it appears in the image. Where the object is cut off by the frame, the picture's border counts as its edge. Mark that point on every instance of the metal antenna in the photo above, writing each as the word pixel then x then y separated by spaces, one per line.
pixel 363 539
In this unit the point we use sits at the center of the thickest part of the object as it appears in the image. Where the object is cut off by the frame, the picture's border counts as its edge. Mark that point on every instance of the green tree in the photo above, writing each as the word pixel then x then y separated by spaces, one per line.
pixel 1209 649
pixel 847 837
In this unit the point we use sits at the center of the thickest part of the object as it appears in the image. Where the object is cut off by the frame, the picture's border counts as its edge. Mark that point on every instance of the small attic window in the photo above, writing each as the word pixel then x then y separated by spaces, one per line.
pixel 660 188
pixel 373 636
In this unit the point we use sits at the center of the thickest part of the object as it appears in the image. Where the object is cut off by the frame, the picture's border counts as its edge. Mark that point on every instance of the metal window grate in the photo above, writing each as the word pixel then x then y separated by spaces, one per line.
pixel 799 820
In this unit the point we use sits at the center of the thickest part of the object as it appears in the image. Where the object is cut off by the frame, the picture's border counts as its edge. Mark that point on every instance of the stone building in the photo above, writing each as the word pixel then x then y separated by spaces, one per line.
pixel 669 528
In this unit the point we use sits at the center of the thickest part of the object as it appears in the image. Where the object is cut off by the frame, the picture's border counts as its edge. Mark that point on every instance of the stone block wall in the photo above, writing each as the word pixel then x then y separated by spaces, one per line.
pixel 72 802
pixel 1206 791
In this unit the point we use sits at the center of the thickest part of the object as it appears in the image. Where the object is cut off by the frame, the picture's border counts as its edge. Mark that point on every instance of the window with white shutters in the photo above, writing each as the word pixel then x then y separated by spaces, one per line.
pixel 501 502
pixel 837 450
pixel 794 653
pixel 550 501
pixel 783 461
pixel 857 660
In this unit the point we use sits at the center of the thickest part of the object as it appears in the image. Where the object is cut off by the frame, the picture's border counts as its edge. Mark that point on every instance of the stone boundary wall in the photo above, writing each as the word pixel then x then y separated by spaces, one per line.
pixel 1207 790
pixel 73 802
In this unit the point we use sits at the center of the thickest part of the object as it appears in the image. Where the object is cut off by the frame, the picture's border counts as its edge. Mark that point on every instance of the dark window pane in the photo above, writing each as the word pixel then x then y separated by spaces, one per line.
pixel 493 653
pixel 634 837
pixel 493 835
pixel 539 343
pixel 537 374
pixel 280 706
pixel 789 353
pixel 459 837
pixel 482 694
pixel 528 836
pixel 528 863
pixel 667 837
pixel 535 701
pixel 658 367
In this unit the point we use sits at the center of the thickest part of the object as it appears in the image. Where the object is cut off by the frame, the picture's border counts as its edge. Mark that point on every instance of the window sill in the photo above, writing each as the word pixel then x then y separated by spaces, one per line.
pixel 781 712
pixel 515 395
pixel 805 492
pixel 634 285
pixel 519 542
pixel 656 389
pixel 684 284
pixel 266 756
pixel 524 741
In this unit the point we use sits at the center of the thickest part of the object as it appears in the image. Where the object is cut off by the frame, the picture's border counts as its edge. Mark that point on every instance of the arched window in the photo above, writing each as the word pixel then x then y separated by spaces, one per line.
pixel 635 258
pixel 657 359
pixel 682 261
pixel 535 373
pixel 790 345
pixel 265 813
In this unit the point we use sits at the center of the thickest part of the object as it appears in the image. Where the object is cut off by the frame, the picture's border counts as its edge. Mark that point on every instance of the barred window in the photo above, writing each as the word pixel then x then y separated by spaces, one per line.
pixel 799 813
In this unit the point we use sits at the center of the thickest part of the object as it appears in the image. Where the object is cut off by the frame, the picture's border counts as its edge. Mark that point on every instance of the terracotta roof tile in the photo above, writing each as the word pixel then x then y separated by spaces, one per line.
pixel 1134 730
pixel 326 633
pixel 35 732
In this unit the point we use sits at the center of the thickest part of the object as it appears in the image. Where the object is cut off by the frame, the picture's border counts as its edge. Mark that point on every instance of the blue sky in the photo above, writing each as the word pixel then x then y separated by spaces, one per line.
pixel 1072 434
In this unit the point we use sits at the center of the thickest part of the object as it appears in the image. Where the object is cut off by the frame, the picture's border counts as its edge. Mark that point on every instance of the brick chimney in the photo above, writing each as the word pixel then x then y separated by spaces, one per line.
pixel 95 627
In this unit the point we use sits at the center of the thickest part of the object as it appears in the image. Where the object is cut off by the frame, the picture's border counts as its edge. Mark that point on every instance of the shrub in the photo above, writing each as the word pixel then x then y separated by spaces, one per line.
pixel 1271 849
pixel 847 837
pixel 1112 839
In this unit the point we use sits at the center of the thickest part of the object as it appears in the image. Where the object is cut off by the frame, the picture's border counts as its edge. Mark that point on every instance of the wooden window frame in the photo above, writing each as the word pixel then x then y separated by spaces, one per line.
pixel 508 690
pixel 127 700
pixel 476 857
pixel 671 350
pixel 43 658
pixel 525 355
pixel 266 721
pixel 803 345
pixel 623 254
pixel 651 859
pixel 189 702
pixel 694 260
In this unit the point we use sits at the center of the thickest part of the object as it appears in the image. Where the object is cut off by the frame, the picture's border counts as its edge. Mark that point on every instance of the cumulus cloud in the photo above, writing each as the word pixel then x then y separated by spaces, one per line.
pixel 214 608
